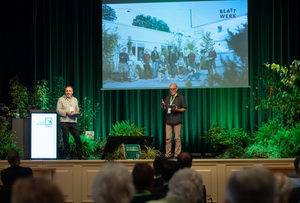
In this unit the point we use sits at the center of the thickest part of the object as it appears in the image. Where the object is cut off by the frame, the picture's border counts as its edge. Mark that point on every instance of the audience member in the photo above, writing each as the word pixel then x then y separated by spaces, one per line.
pixel 36 190
pixel 283 188
pixel 295 194
pixel 15 171
pixel 113 184
pixel 256 184
pixel 143 176
pixel 185 187
pixel 158 180
pixel 168 169
pixel 185 160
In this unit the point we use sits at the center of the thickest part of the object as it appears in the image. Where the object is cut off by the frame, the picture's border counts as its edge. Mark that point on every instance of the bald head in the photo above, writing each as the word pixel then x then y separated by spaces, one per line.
pixel 185 160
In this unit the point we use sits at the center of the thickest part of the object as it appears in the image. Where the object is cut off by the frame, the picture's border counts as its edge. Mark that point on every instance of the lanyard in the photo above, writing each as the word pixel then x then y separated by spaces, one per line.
pixel 69 102
pixel 172 98
pixel 145 193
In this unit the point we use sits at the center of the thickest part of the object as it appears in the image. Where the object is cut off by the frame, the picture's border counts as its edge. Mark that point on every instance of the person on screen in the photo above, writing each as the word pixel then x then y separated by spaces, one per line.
pixel 154 59
pixel 146 62
pixel 175 106
pixel 15 171
pixel 186 52
pixel 67 106
pixel 192 59
pixel 172 63
pixel 123 61
pixel 212 55
pixel 133 72
pixel 198 60
pixel 180 64
pixel 162 69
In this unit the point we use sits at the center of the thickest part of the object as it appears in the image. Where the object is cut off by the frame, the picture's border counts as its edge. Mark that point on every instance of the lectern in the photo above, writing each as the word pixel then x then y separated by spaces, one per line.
pixel 43 131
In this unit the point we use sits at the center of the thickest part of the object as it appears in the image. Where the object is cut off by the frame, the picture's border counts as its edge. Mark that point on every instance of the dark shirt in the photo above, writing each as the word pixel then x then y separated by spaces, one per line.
pixel 212 54
pixel 175 118
pixel 172 58
pixel 9 175
pixel 146 58
pixel 159 190
pixel 123 57
pixel 154 56
pixel 191 57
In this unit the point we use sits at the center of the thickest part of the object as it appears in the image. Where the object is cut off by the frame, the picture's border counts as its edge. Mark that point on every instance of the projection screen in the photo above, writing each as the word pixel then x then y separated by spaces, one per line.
pixel 196 44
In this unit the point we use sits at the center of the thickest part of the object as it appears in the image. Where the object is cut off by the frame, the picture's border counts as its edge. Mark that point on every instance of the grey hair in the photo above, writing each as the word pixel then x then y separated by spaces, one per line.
pixel 256 184
pixel 186 184
pixel 113 184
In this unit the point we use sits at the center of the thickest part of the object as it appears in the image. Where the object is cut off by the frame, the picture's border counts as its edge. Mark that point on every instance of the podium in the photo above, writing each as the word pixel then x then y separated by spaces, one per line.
pixel 43 131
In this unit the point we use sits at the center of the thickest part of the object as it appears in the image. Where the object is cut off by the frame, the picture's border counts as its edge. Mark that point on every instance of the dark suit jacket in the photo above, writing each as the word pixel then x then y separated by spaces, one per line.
pixel 9 175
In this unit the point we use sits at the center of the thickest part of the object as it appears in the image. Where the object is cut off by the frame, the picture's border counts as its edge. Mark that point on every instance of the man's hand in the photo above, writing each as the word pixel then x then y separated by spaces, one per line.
pixel 69 113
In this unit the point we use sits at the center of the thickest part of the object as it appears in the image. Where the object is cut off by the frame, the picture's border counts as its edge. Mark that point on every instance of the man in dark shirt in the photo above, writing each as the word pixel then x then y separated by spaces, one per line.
pixel 175 105
pixel 15 171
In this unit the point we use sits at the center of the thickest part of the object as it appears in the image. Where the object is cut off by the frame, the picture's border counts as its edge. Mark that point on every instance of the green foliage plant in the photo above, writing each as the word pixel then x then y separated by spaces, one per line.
pixel 118 154
pixel 7 143
pixel 19 98
pixel 90 147
pixel 40 96
pixel 230 143
pixel 109 46
pixel 282 90
pixel 274 140
pixel 126 128
pixel 88 114
pixel 149 153
pixel 58 89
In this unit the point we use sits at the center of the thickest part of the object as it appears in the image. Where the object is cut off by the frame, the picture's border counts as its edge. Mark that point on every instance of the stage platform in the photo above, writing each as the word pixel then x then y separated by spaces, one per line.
pixel 75 177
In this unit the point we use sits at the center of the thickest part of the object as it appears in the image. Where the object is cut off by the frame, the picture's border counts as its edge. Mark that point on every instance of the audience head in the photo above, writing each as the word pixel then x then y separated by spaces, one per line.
pixel 168 169
pixel 185 160
pixel 143 176
pixel 297 165
pixel 13 158
pixel 250 185
pixel 186 184
pixel 283 188
pixel 113 184
pixel 36 190
pixel 158 164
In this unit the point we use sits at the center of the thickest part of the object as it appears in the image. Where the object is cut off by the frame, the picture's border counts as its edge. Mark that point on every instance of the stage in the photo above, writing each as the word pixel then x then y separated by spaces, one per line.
pixel 75 177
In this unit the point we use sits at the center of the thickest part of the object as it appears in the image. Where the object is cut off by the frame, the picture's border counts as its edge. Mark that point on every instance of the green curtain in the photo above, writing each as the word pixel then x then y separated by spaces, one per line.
pixel 67 42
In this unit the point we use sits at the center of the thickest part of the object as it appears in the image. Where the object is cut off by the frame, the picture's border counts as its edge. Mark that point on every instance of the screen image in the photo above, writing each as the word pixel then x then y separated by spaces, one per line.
pixel 43 135
pixel 194 44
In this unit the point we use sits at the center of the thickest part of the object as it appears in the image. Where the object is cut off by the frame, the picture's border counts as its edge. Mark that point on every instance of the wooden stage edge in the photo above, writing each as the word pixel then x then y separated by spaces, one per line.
pixel 75 177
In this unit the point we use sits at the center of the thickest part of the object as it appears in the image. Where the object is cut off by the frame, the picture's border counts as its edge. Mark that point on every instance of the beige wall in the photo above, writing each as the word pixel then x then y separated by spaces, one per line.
pixel 75 177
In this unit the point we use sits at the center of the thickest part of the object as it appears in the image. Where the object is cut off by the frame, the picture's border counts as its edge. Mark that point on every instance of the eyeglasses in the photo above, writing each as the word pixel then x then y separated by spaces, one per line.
pixel 172 88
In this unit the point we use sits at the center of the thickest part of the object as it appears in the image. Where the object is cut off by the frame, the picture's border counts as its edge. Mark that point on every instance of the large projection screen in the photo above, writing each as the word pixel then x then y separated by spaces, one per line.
pixel 43 135
pixel 195 44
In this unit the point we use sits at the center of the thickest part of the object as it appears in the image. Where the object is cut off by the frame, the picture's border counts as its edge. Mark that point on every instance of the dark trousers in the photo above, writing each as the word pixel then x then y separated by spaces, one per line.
pixel 73 129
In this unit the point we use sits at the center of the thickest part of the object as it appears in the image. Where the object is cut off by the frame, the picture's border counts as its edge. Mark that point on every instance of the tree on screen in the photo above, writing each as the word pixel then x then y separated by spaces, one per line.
pixel 234 42
pixel 151 23
pixel 108 13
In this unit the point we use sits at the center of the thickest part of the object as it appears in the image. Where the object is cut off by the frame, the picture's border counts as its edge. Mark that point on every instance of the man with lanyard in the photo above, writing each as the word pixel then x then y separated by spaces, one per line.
pixel 175 105
pixel 67 106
